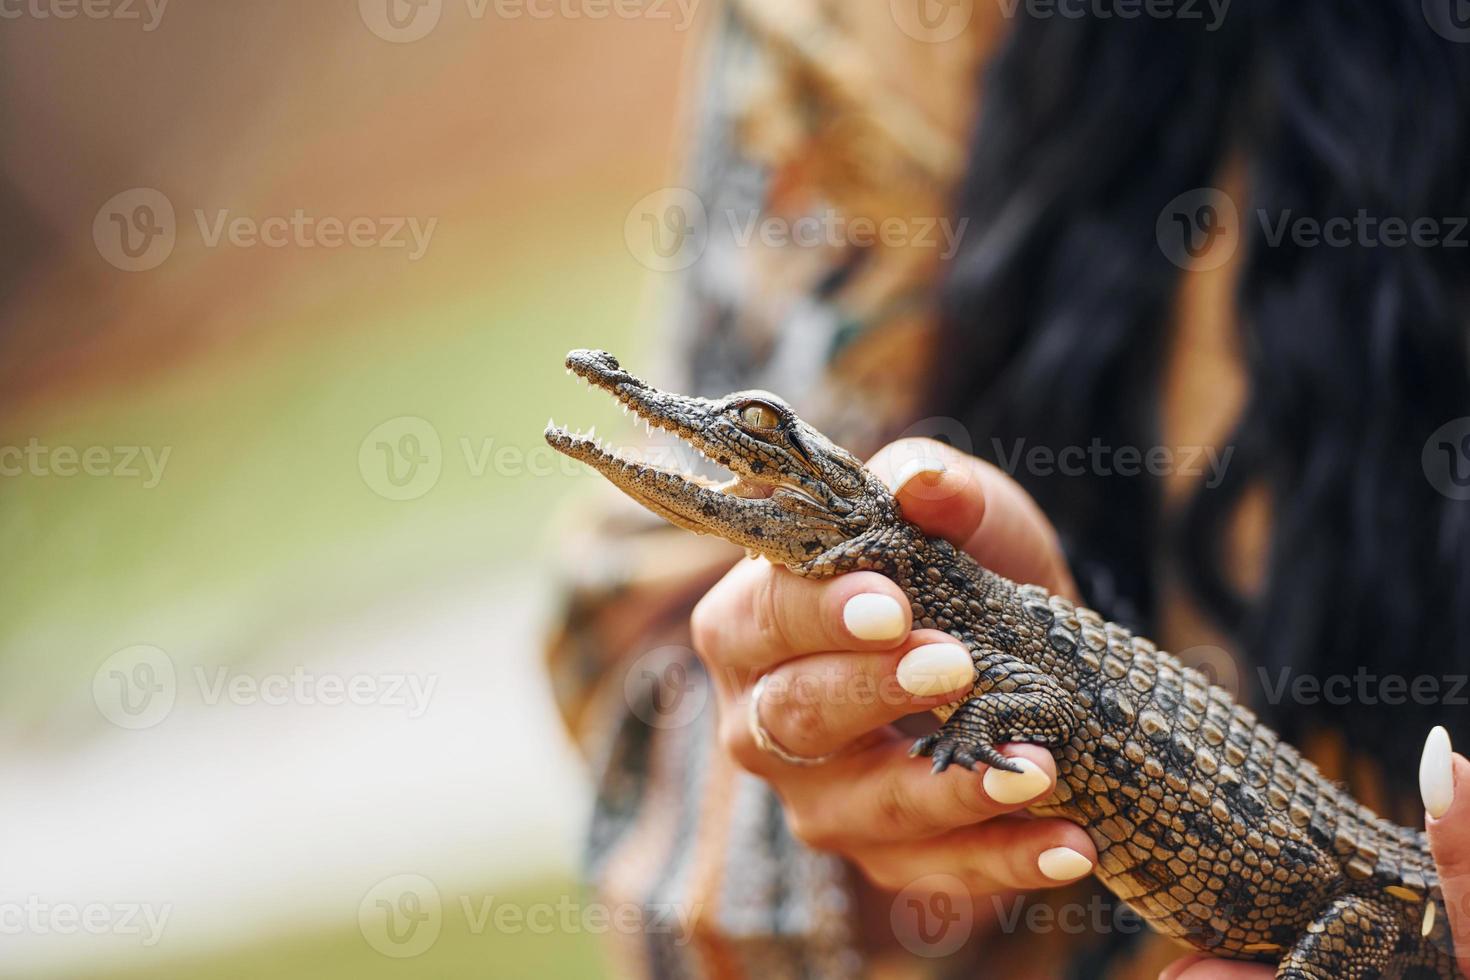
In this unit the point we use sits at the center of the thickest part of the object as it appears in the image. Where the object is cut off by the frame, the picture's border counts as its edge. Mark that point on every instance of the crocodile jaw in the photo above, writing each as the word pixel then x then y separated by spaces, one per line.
pixel 765 514
pixel 685 499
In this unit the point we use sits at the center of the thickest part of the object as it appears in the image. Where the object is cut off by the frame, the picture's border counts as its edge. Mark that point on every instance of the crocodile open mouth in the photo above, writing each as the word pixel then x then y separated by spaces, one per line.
pixel 667 478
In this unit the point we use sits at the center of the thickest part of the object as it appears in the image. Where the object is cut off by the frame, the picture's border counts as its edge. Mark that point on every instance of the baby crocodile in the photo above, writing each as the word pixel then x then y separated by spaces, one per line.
pixel 1205 822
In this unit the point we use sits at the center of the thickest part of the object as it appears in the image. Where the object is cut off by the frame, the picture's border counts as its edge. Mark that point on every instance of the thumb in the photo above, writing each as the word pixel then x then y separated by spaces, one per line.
pixel 1444 784
pixel 975 506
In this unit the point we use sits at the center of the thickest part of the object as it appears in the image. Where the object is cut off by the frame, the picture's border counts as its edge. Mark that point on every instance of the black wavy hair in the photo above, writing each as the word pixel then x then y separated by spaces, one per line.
pixel 1057 303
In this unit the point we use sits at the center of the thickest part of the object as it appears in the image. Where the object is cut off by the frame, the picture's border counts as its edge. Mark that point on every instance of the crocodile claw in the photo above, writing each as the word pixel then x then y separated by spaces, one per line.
pixel 945 749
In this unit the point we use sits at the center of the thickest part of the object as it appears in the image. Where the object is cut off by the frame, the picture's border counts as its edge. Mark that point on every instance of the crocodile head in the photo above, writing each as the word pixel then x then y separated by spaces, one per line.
pixel 794 496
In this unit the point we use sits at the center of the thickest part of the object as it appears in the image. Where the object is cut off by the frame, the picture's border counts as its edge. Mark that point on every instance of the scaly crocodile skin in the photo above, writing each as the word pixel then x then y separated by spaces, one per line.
pixel 1208 825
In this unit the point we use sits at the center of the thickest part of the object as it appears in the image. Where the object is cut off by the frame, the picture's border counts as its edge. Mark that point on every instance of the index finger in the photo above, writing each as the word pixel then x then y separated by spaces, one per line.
pixel 760 615
pixel 975 506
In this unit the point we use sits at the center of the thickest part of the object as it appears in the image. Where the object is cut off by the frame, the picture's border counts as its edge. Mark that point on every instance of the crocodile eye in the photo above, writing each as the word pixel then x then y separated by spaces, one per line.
pixel 760 416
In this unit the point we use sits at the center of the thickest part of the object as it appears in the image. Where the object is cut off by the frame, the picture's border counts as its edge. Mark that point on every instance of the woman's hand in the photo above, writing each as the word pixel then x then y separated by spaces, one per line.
pixel 1444 784
pixel 831 652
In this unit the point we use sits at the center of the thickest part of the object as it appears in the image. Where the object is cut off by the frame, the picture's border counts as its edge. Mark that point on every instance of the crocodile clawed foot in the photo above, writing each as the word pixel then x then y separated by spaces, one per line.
pixel 945 749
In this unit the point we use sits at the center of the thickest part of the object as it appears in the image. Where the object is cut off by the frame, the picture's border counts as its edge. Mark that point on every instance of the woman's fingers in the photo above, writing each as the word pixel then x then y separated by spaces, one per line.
pixel 880 796
pixel 817 704
pixel 758 616
pixel 975 506
pixel 1444 783
pixel 1000 855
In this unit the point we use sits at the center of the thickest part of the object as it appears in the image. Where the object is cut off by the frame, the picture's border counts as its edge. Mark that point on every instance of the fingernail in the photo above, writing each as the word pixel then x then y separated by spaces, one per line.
pixel 936 669
pixel 1016 787
pixel 874 616
pixel 1063 864
pixel 916 467
pixel 1436 773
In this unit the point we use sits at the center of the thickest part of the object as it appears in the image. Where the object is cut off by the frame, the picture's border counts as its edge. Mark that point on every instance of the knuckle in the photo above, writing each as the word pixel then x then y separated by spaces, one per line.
pixel 797 720
pixel 887 875
pixel 893 870
pixel 898 813
pixel 707 625
pixel 813 831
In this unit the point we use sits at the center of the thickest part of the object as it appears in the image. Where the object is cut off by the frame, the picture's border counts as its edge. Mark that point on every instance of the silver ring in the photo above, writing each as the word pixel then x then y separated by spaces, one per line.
pixel 768 744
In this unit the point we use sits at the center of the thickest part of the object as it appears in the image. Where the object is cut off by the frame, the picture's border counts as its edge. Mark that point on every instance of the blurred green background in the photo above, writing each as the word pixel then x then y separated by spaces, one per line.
pixel 269 548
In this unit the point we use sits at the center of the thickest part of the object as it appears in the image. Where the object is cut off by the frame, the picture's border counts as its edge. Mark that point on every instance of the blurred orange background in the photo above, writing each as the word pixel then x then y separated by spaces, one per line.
pixel 239 527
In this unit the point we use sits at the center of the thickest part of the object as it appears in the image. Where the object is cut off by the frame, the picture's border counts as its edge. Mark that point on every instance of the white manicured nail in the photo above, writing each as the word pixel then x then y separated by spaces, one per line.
pixel 936 669
pixel 1015 787
pixel 1063 864
pixel 874 616
pixel 915 467
pixel 1437 773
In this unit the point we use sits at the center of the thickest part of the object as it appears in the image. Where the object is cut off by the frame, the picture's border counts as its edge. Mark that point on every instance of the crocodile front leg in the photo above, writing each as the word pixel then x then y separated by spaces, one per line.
pixel 1014 703
pixel 1353 939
